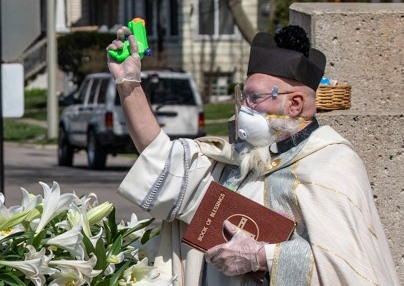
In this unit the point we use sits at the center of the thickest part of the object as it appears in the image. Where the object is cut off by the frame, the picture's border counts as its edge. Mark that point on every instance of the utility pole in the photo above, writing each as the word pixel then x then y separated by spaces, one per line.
pixel 52 102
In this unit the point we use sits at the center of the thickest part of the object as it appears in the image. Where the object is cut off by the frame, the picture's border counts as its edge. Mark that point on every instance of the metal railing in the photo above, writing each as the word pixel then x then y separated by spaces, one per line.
pixel 34 59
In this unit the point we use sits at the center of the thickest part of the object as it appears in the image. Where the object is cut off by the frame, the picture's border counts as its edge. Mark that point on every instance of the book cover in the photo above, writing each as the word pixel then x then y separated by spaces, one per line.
pixel 218 204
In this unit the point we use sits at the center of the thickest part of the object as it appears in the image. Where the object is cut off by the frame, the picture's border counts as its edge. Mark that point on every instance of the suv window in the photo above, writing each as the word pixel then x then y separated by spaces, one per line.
pixel 102 94
pixel 168 90
pixel 117 98
pixel 93 91
pixel 82 96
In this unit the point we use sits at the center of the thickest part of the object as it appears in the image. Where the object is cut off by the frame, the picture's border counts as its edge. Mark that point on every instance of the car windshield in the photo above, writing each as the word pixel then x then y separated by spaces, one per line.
pixel 166 91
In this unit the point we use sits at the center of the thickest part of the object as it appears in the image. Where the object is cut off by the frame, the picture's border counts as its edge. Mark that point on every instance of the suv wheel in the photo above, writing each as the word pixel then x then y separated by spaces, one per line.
pixel 96 154
pixel 65 150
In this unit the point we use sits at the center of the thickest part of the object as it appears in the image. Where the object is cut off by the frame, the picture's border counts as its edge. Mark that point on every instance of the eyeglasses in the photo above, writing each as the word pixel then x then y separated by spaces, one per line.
pixel 253 98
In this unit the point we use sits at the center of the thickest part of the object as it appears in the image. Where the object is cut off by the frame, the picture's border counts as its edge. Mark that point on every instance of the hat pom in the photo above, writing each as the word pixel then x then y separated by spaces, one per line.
pixel 293 38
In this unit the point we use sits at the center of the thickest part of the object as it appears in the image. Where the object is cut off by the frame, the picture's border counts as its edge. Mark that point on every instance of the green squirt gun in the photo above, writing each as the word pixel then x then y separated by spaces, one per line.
pixel 137 27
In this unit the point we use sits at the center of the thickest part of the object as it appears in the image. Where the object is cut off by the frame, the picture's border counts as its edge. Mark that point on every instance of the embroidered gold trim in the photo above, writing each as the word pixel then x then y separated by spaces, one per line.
pixel 277 252
pixel 273 165
pixel 347 263
pixel 311 269
pixel 295 184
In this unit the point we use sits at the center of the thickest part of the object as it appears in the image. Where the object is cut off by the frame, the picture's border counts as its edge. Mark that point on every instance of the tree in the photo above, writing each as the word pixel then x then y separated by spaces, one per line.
pixel 278 16
pixel 81 53
pixel 241 20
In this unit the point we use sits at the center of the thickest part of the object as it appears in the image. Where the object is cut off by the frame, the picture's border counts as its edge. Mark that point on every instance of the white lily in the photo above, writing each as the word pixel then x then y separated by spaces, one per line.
pixel 139 274
pixel 91 197
pixel 29 267
pixel 30 201
pixel 112 260
pixel 59 221
pixel 71 240
pixel 10 219
pixel 83 269
pixel 132 223
pixel 33 254
pixel 76 214
pixel 54 203
pixel 99 212
pixel 68 276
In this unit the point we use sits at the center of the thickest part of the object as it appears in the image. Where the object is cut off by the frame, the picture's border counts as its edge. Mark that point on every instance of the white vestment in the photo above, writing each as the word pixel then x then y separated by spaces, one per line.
pixel 321 184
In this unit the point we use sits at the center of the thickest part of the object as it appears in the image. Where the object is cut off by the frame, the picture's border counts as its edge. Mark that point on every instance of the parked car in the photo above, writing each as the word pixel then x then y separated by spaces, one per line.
pixel 95 120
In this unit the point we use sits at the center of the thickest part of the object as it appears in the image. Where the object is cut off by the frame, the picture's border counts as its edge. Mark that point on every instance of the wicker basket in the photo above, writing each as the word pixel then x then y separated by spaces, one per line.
pixel 333 97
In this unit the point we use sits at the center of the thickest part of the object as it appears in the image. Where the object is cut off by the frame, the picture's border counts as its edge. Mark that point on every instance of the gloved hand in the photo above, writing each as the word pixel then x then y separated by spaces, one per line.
pixel 129 69
pixel 237 256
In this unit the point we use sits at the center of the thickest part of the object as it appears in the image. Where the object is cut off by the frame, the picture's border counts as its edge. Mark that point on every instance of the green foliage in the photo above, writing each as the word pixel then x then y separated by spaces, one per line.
pixel 83 52
pixel 215 111
pixel 281 14
pixel 216 118
pixel 20 132
pixel 35 98
pixel 35 103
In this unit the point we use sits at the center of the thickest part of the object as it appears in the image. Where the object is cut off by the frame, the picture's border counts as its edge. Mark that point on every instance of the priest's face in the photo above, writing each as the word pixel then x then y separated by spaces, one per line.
pixel 263 120
pixel 266 94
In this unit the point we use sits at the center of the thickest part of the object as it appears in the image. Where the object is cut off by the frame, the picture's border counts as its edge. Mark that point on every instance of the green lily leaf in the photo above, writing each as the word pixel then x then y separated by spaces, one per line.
pixel 88 245
pixel 100 252
pixel 115 277
pixel 116 246
pixel 36 241
pixel 126 232
pixel 149 234
pixel 11 280
pixel 112 222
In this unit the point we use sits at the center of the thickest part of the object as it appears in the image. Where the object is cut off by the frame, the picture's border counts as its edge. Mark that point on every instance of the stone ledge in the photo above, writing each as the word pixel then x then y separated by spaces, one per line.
pixel 363 45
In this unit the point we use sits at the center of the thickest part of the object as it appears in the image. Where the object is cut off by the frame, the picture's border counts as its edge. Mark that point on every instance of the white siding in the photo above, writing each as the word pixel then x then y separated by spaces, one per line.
pixel 201 55
pixel 74 12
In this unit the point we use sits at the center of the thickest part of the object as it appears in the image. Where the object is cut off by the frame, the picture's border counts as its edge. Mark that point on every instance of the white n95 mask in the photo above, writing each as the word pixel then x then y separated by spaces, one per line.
pixel 253 127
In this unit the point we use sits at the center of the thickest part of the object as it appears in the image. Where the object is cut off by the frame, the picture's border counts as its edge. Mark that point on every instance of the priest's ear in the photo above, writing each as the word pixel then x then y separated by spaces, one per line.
pixel 295 104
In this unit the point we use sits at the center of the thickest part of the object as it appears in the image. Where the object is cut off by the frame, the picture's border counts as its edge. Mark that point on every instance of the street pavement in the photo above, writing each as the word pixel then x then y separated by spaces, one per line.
pixel 26 165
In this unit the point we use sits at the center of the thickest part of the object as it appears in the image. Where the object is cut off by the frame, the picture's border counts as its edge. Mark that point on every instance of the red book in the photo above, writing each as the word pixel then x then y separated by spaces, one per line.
pixel 218 204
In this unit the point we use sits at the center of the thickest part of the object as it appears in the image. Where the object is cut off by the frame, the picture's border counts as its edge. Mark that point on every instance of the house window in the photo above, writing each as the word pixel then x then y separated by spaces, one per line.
pixel 102 12
pixel 216 85
pixel 173 17
pixel 162 17
pixel 215 18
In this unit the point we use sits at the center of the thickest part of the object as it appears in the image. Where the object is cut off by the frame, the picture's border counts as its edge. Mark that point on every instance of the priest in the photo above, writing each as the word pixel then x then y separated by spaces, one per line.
pixel 282 159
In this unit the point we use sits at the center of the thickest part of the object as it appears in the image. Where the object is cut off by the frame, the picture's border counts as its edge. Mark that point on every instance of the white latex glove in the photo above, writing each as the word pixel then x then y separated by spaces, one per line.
pixel 239 255
pixel 129 69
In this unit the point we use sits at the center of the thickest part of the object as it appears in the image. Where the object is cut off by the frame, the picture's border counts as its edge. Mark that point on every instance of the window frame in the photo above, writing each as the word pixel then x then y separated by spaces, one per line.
pixel 215 36
pixel 148 10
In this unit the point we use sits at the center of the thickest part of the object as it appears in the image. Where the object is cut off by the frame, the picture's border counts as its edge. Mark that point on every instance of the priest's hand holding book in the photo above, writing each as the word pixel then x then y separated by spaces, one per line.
pixel 241 254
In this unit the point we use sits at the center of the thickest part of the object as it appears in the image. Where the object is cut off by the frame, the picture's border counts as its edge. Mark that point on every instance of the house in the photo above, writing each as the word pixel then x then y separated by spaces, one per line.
pixel 197 36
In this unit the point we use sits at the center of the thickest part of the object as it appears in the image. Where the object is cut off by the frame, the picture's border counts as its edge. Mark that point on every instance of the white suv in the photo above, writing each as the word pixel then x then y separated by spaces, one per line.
pixel 95 121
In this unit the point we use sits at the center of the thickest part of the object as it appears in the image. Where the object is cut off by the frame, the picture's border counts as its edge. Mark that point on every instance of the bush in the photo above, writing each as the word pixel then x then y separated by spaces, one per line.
pixel 82 52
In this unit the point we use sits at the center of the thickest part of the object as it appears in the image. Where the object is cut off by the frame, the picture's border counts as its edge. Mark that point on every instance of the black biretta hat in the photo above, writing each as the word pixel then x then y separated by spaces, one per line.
pixel 268 58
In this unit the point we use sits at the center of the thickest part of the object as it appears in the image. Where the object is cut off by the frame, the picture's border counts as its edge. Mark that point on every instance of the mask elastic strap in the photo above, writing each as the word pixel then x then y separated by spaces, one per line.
pixel 302 120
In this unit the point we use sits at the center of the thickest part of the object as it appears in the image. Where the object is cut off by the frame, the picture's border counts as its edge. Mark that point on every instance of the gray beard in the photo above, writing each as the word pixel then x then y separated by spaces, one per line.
pixel 257 159
pixel 254 159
